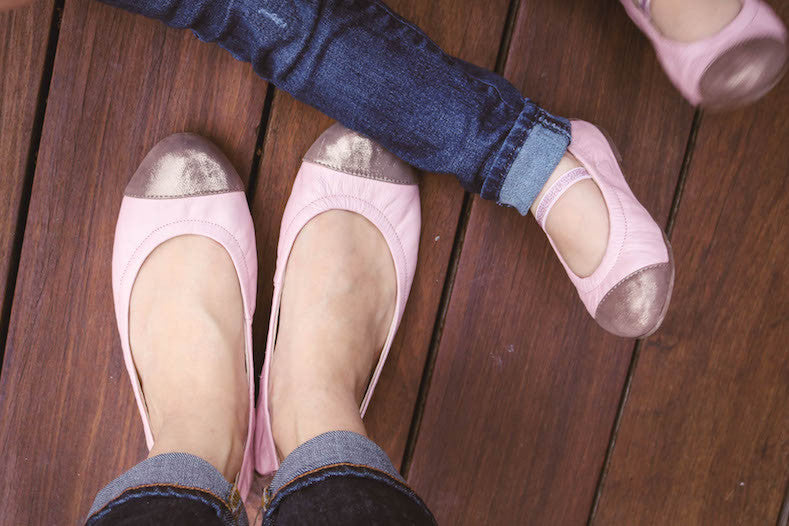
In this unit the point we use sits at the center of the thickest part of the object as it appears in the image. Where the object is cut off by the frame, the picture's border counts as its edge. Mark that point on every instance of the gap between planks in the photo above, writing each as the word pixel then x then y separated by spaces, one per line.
pixel 29 174
pixel 452 268
pixel 670 222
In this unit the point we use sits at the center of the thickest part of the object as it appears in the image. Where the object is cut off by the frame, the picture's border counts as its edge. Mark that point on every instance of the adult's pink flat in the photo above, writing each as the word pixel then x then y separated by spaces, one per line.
pixel 185 186
pixel 344 170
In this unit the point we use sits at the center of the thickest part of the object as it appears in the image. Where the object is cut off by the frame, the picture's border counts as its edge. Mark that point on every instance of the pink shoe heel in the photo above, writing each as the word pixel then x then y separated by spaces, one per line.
pixel 629 292
pixel 185 186
pixel 344 170
pixel 737 66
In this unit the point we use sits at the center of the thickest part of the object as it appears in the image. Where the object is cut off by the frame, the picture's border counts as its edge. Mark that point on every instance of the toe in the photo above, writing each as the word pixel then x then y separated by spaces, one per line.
pixel 635 307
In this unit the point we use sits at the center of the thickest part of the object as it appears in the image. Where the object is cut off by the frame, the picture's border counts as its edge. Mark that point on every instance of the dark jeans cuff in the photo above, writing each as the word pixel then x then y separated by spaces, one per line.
pixel 332 448
pixel 168 482
pixel 530 153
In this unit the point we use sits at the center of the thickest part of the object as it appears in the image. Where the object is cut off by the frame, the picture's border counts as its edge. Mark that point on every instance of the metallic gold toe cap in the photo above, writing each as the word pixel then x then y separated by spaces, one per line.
pixel 636 306
pixel 184 165
pixel 352 153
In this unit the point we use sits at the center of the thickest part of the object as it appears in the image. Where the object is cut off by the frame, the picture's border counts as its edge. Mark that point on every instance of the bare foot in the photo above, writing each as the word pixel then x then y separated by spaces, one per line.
pixel 578 222
pixel 186 330
pixel 338 301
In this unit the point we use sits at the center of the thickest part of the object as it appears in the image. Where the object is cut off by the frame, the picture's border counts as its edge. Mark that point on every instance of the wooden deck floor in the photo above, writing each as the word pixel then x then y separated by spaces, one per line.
pixel 502 402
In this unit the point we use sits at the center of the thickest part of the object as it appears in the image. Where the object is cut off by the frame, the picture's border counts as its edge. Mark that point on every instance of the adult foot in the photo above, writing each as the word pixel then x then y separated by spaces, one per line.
pixel 338 302
pixel 690 21
pixel 578 221
pixel 186 331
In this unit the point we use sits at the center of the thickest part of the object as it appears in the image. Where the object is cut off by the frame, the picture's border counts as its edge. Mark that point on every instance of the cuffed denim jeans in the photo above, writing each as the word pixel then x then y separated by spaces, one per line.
pixel 378 74
pixel 336 478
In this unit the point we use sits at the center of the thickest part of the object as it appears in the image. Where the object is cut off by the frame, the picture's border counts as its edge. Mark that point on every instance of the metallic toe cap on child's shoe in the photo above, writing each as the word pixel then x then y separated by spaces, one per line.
pixel 347 151
pixel 636 306
pixel 184 165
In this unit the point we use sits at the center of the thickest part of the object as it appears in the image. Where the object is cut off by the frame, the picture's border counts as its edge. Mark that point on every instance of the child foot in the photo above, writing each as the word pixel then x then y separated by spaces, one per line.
pixel 578 221
pixel 186 331
pixel 338 301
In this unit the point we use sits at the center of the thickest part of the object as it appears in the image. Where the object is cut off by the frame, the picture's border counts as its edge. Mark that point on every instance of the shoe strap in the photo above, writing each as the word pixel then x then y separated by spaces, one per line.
pixel 558 189
pixel 644 5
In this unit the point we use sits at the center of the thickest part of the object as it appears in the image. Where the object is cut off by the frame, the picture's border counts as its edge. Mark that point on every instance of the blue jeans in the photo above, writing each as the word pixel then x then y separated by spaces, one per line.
pixel 338 477
pixel 376 73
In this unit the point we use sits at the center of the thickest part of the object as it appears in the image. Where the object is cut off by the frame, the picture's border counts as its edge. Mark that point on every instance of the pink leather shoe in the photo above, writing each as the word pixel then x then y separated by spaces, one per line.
pixel 736 66
pixel 629 292
pixel 344 170
pixel 185 185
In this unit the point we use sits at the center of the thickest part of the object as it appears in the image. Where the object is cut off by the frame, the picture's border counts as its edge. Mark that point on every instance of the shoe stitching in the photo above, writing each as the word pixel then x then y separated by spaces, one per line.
pixel 137 249
pixel 193 194
pixel 359 173
pixel 385 218
pixel 622 281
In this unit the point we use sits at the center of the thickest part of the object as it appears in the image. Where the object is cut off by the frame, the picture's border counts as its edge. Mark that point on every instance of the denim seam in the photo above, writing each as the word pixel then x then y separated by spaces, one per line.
pixel 502 162
pixel 435 48
pixel 125 497
pixel 332 470
pixel 329 466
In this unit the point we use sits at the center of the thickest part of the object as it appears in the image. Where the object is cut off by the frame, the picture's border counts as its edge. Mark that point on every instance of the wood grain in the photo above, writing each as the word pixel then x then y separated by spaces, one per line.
pixel 704 437
pixel 470 30
pixel 120 84
pixel 23 37
pixel 526 385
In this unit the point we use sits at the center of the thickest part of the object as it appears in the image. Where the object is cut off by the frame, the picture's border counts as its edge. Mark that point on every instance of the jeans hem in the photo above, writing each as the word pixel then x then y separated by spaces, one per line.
pixel 329 449
pixel 338 471
pixel 174 472
pixel 530 153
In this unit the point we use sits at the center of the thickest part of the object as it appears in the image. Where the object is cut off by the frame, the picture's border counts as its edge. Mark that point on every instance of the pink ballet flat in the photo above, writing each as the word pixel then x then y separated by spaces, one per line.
pixel 629 292
pixel 344 170
pixel 738 65
pixel 185 185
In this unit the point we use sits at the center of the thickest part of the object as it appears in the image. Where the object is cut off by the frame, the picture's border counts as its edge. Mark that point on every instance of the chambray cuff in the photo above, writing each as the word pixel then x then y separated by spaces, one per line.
pixel 529 155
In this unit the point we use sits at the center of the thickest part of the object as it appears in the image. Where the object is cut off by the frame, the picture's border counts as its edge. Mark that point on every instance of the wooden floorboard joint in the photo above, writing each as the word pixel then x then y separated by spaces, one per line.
pixel 260 143
pixel 30 170
pixel 783 515
pixel 675 204
pixel 438 329
pixel 615 430
pixel 454 262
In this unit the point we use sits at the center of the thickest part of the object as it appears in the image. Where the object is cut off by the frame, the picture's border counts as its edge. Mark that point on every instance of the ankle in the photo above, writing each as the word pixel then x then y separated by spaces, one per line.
pixel 220 444
pixel 304 409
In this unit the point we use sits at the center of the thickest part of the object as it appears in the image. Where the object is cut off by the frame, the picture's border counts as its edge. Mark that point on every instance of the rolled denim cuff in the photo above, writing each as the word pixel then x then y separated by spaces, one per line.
pixel 330 449
pixel 176 471
pixel 524 163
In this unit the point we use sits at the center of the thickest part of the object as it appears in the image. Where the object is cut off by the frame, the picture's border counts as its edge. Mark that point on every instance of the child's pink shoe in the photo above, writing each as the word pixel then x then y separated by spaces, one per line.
pixel 738 65
pixel 185 186
pixel 344 170
pixel 629 292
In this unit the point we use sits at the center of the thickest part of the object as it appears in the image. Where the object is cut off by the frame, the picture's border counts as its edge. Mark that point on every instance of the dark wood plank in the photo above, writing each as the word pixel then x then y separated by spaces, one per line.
pixel 526 385
pixel 704 437
pixel 23 37
pixel 120 84
pixel 468 29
